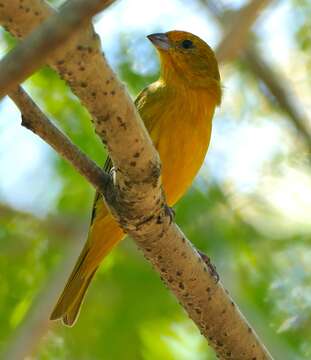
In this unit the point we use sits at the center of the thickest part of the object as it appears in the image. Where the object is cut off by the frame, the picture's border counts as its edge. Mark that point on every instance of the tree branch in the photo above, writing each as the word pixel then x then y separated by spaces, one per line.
pixel 235 43
pixel 34 120
pixel 137 202
pixel 238 33
pixel 58 29
pixel 280 89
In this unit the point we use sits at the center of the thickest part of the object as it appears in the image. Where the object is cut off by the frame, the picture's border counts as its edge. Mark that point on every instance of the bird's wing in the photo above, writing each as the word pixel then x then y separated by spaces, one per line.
pixel 147 104
pixel 98 197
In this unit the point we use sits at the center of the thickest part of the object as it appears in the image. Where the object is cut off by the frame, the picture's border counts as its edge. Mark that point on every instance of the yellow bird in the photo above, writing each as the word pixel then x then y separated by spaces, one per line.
pixel 177 111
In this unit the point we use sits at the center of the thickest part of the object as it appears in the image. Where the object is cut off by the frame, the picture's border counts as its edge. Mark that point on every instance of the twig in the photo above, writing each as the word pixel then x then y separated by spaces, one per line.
pixel 235 43
pixel 34 120
pixel 280 89
pixel 238 32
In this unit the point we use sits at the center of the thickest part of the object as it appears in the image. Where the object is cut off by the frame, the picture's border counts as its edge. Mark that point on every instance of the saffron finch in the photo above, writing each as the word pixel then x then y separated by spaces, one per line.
pixel 177 111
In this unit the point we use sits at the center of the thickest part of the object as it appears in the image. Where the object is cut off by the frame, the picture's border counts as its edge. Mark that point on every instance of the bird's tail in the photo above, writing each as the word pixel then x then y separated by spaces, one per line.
pixel 104 234
pixel 69 303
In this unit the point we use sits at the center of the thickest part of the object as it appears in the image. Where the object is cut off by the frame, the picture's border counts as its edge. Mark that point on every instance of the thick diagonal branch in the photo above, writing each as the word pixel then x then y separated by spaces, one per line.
pixel 137 202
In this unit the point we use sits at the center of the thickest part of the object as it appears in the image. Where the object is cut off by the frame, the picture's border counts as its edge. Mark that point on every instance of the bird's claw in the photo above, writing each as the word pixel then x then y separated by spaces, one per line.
pixel 112 171
pixel 170 212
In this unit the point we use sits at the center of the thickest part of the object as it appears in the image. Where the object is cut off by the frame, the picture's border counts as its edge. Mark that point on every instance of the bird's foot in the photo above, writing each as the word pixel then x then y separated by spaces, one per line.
pixel 170 212
pixel 112 171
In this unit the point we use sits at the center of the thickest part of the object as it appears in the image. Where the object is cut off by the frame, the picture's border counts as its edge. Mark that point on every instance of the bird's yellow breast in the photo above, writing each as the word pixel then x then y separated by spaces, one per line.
pixel 181 134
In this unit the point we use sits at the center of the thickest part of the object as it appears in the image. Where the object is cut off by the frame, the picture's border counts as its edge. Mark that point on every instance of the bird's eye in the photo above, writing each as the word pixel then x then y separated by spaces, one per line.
pixel 187 44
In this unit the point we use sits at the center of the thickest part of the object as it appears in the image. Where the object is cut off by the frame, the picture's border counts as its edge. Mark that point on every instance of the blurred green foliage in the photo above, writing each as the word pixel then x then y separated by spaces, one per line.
pixel 128 313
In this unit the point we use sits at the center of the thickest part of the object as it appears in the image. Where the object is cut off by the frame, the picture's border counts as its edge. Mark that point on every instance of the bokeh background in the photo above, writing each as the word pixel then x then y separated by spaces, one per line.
pixel 249 208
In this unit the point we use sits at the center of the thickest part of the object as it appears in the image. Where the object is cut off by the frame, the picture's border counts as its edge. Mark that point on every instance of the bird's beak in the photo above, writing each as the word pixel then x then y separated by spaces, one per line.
pixel 160 41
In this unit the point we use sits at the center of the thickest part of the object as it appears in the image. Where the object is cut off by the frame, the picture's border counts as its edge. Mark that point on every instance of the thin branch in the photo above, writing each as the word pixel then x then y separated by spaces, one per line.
pixel 44 42
pixel 235 43
pixel 137 202
pixel 238 32
pixel 281 91
pixel 34 120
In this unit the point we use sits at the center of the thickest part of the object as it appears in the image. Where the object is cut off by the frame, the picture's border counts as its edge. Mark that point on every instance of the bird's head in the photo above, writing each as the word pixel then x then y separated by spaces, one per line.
pixel 185 56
